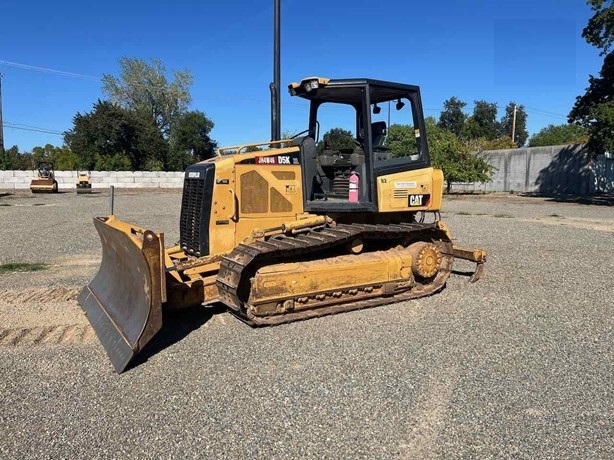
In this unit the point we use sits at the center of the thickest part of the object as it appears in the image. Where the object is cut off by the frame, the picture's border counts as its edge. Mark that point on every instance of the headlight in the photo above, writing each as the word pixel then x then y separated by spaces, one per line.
pixel 311 84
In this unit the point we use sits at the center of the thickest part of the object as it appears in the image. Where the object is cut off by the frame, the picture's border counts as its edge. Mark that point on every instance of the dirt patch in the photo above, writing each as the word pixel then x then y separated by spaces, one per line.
pixel 42 316
pixel 45 335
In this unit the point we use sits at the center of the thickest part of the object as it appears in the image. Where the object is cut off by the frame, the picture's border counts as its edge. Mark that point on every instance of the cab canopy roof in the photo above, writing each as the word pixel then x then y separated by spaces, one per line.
pixel 349 91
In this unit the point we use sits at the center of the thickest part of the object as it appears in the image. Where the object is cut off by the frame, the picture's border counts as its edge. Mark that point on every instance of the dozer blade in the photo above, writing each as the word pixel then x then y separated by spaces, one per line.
pixel 124 300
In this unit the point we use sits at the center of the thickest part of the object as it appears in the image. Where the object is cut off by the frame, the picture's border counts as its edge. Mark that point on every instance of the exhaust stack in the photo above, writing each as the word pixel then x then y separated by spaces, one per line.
pixel 275 86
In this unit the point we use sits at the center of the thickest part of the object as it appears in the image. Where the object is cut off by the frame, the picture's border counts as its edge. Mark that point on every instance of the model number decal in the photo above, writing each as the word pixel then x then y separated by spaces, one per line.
pixel 194 174
pixel 419 200
pixel 277 160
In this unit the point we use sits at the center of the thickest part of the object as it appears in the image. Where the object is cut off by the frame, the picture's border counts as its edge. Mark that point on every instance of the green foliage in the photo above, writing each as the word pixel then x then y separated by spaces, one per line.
pixel 593 110
pixel 4 161
pixel 15 160
pixel 482 128
pixel 113 138
pixel 454 157
pixel 190 141
pixel 599 31
pixel 602 128
pixel 478 145
pixel 452 118
pixel 559 135
pixel 483 122
pixel 401 140
pixel 143 87
pixel 62 158
pixel 337 138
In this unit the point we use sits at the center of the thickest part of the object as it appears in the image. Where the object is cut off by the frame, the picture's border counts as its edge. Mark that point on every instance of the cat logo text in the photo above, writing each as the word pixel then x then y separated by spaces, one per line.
pixel 419 200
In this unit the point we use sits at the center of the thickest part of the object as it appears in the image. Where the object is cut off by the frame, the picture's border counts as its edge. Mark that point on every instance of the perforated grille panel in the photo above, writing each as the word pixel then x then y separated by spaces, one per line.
pixel 196 209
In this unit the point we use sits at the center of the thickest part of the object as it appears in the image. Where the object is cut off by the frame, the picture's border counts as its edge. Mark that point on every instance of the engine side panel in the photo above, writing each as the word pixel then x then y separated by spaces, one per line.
pixel 417 190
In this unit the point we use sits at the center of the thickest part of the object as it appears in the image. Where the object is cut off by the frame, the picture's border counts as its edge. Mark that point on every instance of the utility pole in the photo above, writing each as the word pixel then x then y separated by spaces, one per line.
pixel 2 152
pixel 514 126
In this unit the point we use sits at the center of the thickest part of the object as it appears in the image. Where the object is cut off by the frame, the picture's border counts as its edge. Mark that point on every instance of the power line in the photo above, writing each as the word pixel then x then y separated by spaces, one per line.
pixel 545 112
pixel 35 129
pixel 47 70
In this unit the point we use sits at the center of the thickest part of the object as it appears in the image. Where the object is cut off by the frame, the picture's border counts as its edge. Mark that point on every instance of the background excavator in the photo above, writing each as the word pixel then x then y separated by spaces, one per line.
pixel 288 229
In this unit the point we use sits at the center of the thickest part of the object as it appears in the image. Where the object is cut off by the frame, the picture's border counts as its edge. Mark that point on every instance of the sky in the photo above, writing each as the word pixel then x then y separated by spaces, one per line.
pixel 53 54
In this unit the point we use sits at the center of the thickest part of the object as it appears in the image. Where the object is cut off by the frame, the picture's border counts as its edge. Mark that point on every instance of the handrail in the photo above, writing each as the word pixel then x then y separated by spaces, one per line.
pixel 237 149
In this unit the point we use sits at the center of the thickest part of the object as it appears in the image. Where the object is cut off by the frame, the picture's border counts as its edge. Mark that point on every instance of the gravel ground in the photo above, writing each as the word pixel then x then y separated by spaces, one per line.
pixel 518 365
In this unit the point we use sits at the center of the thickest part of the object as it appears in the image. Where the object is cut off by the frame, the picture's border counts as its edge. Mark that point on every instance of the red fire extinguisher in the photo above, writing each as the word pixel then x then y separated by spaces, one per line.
pixel 353 195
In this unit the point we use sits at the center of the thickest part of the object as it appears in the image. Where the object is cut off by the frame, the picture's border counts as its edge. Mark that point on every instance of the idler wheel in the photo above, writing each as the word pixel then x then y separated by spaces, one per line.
pixel 426 259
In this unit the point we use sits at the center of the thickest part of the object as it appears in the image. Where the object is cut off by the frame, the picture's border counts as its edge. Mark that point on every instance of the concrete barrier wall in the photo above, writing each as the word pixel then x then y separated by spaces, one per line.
pixel 552 170
pixel 562 169
pixel 14 180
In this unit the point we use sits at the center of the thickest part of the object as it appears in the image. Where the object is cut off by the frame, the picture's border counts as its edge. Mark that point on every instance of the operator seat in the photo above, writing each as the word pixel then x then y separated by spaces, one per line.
pixel 312 180
pixel 378 133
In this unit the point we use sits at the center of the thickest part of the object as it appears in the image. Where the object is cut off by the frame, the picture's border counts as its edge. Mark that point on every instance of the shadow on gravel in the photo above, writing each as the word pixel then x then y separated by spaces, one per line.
pixel 466 274
pixel 600 200
pixel 177 325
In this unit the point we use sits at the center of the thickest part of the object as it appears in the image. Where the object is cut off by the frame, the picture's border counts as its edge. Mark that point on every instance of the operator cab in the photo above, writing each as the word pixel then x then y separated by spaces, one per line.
pixel 349 144
pixel 44 170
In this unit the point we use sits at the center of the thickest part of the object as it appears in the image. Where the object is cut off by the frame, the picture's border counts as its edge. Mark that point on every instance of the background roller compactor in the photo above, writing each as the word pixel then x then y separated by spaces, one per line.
pixel 45 179
pixel 83 184
pixel 288 229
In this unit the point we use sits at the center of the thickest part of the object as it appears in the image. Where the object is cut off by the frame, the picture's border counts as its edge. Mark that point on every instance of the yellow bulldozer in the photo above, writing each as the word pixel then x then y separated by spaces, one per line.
pixel 44 182
pixel 288 229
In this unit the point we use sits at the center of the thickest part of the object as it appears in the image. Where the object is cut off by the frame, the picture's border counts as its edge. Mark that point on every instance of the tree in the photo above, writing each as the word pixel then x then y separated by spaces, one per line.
pixel 16 160
pixel 114 138
pixel 62 158
pixel 4 159
pixel 594 110
pixel 143 87
pixel 190 141
pixel 337 139
pixel 483 122
pixel 599 31
pixel 401 140
pixel 559 135
pixel 458 163
pixel 520 128
pixel 452 117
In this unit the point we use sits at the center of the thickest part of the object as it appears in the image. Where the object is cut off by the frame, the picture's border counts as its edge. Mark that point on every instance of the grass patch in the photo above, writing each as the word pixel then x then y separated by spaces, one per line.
pixel 464 213
pixel 503 216
pixel 21 267
pixel 554 215
pixel 4 204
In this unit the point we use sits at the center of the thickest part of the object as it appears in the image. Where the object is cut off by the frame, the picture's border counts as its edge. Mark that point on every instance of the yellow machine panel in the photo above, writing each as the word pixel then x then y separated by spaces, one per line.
pixel 417 190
